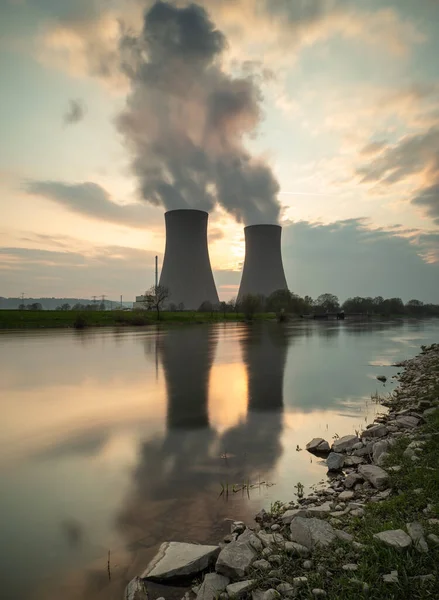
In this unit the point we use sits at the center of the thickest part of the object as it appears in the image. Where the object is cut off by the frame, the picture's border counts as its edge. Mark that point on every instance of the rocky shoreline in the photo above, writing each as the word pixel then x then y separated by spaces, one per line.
pixel 321 546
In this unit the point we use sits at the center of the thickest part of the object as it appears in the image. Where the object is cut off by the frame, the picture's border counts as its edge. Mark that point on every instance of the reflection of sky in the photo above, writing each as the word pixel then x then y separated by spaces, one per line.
pixel 86 438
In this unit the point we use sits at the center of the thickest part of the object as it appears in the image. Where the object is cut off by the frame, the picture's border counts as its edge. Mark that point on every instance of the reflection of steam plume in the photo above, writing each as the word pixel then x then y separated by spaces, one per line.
pixel 186 356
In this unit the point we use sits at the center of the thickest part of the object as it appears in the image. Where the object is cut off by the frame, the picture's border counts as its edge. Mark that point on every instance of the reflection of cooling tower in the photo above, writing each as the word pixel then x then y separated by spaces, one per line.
pixel 186 268
pixel 187 356
pixel 265 353
pixel 263 269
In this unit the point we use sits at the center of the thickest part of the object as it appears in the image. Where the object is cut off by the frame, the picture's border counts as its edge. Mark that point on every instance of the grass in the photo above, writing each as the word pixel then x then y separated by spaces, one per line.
pixel 417 487
pixel 35 319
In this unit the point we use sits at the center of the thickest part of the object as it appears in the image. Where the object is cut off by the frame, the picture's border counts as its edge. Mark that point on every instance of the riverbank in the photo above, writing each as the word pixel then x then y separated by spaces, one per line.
pixel 371 531
pixel 39 319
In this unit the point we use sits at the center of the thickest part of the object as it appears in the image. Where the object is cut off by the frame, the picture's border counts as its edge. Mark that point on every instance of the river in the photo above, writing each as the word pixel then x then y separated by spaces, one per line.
pixel 117 440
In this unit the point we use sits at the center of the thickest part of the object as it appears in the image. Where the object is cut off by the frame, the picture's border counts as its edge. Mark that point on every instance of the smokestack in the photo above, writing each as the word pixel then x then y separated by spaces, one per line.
pixel 186 267
pixel 263 271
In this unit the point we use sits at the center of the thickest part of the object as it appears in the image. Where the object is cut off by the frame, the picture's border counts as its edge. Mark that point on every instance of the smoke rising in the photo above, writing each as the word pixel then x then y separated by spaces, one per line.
pixel 186 120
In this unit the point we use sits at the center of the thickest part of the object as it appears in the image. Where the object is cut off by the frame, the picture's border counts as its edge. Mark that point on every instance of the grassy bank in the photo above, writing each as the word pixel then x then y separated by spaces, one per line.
pixel 34 319
pixel 359 567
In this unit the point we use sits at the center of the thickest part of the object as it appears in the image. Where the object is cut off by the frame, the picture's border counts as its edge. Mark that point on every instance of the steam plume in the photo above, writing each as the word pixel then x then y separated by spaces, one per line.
pixel 186 119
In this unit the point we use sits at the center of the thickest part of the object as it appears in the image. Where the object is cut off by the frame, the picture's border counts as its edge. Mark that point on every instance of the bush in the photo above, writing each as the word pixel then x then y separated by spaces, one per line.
pixel 80 322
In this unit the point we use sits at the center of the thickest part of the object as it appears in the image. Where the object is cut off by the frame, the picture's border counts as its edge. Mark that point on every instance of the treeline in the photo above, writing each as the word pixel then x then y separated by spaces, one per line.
pixel 284 301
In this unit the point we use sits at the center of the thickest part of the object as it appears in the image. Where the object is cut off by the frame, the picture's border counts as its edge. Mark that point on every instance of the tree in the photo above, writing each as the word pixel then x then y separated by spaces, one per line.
pixel 65 306
pixel 172 307
pixel 250 304
pixel 232 304
pixel 22 306
pixel 415 308
pixel 328 303
pixel 155 298
pixel 181 307
pixel 279 302
pixel 78 306
pixel 206 306
pixel 224 308
pixel 34 306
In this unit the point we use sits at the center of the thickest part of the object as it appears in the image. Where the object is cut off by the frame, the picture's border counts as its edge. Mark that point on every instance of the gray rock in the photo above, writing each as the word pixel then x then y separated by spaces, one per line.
pixel 395 468
pixel 407 422
pixel 394 538
pixel 235 590
pixel 423 578
pixel 177 559
pixel 382 459
pixel 261 516
pixel 392 577
pixel 376 431
pixel 345 443
pixel 296 549
pixel 318 445
pixel 433 538
pixel 344 536
pixel 375 475
pixel 307 564
pixel 268 595
pixel 262 565
pixel 275 527
pixel 285 589
pixel 378 449
pixel 353 461
pixel 271 539
pixel 311 532
pixel 357 512
pixel 416 532
pixel 335 461
pixel 352 479
pixel 136 590
pixel 318 511
pixel 289 515
pixel 350 567
pixel 365 450
pixel 347 495
pixel 266 552
pixel 213 584
pixel 237 527
pixel 235 560
pixel 251 538
pixel 299 581
pixel 275 559
pixel 319 593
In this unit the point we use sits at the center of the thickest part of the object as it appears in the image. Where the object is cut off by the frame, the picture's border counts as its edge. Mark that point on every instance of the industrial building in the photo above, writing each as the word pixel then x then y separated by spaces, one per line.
pixel 263 271
pixel 186 270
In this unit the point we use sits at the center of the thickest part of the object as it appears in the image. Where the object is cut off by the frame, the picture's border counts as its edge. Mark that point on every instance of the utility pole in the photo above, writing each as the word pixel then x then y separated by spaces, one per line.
pixel 156 271
pixel 94 299
pixel 121 304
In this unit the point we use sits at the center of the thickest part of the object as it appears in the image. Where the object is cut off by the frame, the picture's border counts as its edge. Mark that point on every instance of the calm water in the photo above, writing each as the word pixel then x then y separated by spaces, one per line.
pixel 119 440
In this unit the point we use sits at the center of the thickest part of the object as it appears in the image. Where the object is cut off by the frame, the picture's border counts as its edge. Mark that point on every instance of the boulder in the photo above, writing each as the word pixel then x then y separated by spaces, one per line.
pixel 177 559
pixel 318 445
pixel 394 538
pixel 136 590
pixel 379 448
pixel 375 475
pixel 289 515
pixel 240 587
pixel 352 479
pixel 376 431
pixel 262 565
pixel 416 532
pixel 311 532
pixel 353 461
pixel 345 443
pixel 271 539
pixel 235 559
pixel 296 549
pixel 251 538
pixel 407 422
pixel 335 461
pixel 212 586
pixel 346 495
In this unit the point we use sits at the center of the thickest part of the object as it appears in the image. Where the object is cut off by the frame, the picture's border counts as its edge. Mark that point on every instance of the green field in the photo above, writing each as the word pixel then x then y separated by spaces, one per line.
pixel 35 319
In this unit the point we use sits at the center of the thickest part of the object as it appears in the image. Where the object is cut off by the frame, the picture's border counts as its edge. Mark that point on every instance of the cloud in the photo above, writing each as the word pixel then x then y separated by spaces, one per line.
pixel 350 259
pixel 412 155
pixel 91 200
pixel 106 269
pixel 75 112
pixel 186 120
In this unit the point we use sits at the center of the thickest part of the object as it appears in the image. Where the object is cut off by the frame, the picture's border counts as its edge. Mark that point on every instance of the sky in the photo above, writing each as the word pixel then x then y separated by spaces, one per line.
pixel 319 115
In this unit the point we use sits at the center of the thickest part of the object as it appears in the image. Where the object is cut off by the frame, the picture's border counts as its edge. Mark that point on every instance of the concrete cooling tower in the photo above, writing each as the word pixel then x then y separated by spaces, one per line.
pixel 186 268
pixel 263 271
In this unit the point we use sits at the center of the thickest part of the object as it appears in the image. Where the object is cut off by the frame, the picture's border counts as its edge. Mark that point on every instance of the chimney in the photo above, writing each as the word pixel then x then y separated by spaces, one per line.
pixel 186 267
pixel 263 271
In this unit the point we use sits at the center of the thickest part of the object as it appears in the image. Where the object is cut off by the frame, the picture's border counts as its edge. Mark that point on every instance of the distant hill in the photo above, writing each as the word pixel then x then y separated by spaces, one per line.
pixel 53 303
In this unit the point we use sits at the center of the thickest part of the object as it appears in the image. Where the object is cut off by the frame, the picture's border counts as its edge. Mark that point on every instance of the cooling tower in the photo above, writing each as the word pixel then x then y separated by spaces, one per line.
pixel 263 271
pixel 186 268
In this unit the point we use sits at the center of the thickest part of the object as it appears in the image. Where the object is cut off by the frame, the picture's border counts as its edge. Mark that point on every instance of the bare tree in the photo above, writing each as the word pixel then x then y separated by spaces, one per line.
pixel 155 297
